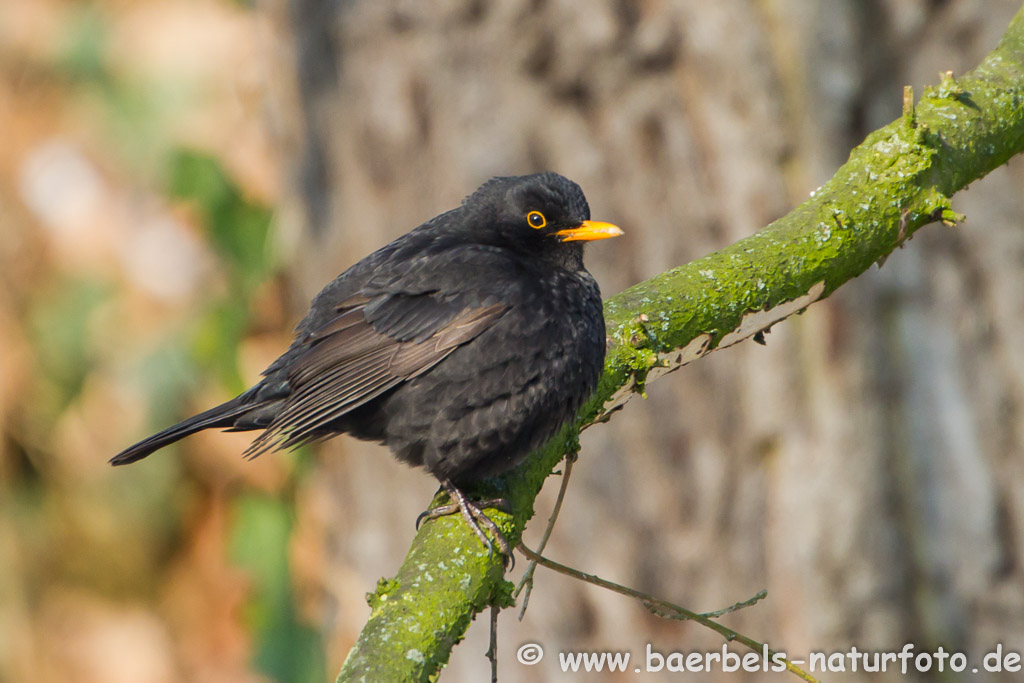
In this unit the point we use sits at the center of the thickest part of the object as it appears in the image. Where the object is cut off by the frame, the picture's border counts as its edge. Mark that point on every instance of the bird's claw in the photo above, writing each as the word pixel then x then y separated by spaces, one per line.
pixel 474 515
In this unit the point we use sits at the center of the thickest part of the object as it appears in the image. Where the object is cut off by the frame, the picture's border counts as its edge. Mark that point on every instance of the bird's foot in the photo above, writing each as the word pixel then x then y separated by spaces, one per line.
pixel 474 515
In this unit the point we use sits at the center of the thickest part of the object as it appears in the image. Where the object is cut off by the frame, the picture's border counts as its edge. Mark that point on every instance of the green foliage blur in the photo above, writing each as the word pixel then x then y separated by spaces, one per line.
pixel 239 231
pixel 133 259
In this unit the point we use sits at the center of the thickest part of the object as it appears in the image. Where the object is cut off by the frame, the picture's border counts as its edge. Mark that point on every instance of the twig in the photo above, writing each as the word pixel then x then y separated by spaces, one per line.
pixel 492 649
pixel 672 611
pixel 527 579
pixel 749 602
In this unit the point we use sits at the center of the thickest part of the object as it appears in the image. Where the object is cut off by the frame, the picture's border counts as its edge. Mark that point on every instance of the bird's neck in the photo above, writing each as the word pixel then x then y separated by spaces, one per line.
pixel 567 256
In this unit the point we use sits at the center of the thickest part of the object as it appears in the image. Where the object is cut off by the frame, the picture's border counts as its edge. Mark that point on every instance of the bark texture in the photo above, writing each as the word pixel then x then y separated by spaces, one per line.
pixel 864 467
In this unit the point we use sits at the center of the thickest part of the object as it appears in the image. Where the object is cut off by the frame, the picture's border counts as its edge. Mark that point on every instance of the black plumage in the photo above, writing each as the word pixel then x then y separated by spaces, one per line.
pixel 462 345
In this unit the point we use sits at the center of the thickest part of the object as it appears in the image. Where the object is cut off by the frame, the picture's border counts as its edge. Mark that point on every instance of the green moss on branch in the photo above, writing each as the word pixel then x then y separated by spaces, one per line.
pixel 900 178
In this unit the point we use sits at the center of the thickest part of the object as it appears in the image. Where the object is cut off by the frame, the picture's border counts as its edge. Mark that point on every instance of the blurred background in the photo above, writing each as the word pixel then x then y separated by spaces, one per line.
pixel 179 177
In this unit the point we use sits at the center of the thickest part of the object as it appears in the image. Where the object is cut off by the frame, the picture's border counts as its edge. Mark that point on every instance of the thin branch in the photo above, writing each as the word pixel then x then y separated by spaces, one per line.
pixel 749 602
pixel 527 578
pixel 670 610
pixel 492 647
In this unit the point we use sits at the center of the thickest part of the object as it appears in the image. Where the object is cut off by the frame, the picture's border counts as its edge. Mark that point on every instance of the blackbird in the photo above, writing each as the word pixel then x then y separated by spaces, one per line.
pixel 462 345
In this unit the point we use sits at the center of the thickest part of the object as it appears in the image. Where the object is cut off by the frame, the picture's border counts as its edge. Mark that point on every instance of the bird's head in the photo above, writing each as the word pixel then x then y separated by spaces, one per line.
pixel 539 210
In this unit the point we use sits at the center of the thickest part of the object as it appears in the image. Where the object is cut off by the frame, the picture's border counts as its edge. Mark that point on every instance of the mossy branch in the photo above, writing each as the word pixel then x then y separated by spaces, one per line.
pixel 899 179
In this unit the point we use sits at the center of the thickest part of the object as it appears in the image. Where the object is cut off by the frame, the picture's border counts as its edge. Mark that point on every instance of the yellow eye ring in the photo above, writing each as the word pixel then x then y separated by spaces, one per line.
pixel 536 219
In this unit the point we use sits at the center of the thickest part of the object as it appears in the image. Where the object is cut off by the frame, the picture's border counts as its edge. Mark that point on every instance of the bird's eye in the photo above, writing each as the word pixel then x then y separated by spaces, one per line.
pixel 536 219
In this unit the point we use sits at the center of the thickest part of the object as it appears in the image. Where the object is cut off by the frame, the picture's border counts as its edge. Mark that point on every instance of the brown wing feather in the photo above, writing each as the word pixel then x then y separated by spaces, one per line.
pixel 347 338
pixel 348 363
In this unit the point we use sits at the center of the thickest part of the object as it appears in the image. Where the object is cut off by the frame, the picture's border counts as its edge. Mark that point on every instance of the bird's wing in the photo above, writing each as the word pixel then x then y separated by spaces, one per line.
pixel 371 345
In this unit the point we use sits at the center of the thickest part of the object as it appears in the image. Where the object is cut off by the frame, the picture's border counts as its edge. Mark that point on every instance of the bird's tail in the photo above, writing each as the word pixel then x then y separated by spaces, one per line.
pixel 219 416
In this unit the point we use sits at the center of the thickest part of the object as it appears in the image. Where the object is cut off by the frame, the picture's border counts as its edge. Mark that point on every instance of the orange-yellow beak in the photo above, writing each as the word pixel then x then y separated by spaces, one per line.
pixel 590 230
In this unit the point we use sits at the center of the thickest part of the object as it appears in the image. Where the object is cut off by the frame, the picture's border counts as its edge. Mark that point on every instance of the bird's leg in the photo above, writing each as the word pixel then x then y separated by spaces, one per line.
pixel 473 514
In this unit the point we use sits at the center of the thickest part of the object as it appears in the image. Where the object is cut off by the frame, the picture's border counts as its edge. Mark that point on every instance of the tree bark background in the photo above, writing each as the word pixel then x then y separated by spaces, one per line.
pixel 864 467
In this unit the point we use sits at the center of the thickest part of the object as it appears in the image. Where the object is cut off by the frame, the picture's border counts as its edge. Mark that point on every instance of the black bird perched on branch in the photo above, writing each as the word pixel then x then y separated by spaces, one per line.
pixel 462 345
